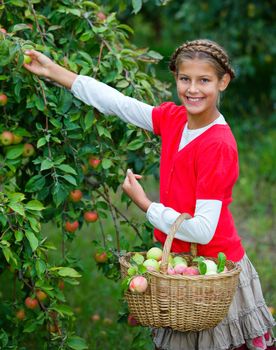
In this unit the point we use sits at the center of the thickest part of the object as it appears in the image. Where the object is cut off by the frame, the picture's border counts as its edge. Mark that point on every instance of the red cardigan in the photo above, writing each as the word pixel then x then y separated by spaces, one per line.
pixel 207 168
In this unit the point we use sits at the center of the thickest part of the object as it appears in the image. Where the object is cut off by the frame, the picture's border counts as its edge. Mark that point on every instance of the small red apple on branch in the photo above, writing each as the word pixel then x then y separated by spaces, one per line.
pixel 31 303
pixel 94 162
pixel 3 99
pixel 20 314
pixel 90 216
pixel 7 138
pixel 28 150
pixel 75 195
pixel 71 226
pixel 101 257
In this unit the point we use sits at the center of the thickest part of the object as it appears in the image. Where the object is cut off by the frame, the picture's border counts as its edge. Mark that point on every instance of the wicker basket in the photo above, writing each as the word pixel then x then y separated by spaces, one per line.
pixel 182 302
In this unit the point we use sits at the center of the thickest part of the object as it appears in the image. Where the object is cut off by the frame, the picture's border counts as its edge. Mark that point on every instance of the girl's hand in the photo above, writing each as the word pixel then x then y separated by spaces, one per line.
pixel 135 191
pixel 44 66
pixel 40 65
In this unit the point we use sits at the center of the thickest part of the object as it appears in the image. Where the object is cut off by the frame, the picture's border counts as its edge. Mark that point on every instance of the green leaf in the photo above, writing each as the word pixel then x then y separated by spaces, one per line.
pixel 34 205
pixel 40 267
pixel 135 144
pixel 202 267
pixel 155 55
pixel 77 343
pixel 35 183
pixel 103 131
pixel 122 84
pixel 46 164
pixel 18 236
pixel 67 169
pixel 221 262
pixel 16 197
pixel 63 310
pixel 137 5
pixel 68 272
pixel 20 26
pixel 18 208
pixel 59 194
pixel 14 152
pixel 32 240
pixel 41 142
pixel 88 120
pixel 106 163
pixel 7 253
pixel 70 179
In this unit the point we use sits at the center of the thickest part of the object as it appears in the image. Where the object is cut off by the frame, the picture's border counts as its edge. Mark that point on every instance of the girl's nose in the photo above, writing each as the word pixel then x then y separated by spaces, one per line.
pixel 193 88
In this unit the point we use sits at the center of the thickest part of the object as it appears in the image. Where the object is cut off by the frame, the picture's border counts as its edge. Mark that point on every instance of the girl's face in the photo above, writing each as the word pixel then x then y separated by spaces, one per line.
pixel 198 87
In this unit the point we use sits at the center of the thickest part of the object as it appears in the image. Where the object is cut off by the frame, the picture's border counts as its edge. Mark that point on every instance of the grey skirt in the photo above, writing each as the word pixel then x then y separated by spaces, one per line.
pixel 247 319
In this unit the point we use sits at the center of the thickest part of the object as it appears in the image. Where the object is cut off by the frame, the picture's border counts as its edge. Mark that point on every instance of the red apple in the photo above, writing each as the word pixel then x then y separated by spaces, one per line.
pixel 101 16
pixel 100 257
pixel 138 284
pixel 3 30
pixel 71 226
pixel 28 150
pixel 131 321
pixel 95 317
pixel 75 195
pixel 7 138
pixel 90 216
pixel 3 99
pixel 31 303
pixel 94 162
pixel 41 295
pixel 20 314
pixel 191 270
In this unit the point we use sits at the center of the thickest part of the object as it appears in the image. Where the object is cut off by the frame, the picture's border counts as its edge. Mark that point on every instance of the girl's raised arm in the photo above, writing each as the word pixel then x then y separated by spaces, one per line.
pixel 92 92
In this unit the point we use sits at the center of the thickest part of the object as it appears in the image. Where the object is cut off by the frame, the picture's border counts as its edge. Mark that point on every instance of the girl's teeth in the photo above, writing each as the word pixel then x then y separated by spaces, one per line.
pixel 193 99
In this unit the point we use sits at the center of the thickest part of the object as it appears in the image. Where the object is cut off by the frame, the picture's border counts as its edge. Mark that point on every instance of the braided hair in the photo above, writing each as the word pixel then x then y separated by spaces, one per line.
pixel 205 49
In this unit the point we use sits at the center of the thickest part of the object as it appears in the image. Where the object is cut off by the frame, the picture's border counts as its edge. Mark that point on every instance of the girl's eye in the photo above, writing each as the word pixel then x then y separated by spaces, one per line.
pixel 184 78
pixel 205 80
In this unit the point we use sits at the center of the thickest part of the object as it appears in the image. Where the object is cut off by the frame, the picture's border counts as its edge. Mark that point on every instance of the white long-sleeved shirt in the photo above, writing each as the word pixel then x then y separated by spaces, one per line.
pixel 109 101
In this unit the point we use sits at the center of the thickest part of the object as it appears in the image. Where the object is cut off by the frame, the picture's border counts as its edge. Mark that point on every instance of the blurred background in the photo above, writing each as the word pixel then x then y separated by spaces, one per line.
pixel 246 29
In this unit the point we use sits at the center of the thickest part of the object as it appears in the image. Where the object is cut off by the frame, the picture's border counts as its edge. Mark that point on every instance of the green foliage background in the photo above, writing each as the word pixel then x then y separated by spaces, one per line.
pixel 66 133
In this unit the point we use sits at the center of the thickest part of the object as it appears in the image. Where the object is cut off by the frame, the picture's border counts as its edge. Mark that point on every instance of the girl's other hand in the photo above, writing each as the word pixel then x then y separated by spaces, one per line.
pixel 40 64
pixel 135 191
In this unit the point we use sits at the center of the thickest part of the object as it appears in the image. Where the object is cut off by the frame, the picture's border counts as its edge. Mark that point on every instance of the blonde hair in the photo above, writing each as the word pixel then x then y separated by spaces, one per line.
pixel 203 49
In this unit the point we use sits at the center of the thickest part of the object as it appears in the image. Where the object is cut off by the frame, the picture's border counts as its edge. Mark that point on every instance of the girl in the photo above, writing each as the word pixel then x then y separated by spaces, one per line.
pixel 199 167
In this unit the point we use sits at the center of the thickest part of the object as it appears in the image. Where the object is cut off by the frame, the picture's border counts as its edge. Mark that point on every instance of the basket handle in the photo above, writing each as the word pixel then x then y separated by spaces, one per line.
pixel 168 243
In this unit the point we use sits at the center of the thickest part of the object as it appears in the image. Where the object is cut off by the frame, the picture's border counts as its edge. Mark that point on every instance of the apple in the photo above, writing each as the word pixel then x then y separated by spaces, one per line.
pixel 191 270
pixel 171 271
pixel 17 139
pixel 71 226
pixel 3 30
pixel 180 268
pixel 101 257
pixel 3 99
pixel 151 265
pixel 95 317
pixel 138 284
pixel 75 195
pixel 131 321
pixel 179 260
pixel 154 253
pixel 94 162
pixel 28 150
pixel 90 216
pixel 31 303
pixel 138 258
pixel 41 295
pixel 101 16
pixel 211 267
pixel 20 314
pixel 7 138
pixel 61 284
pixel 27 59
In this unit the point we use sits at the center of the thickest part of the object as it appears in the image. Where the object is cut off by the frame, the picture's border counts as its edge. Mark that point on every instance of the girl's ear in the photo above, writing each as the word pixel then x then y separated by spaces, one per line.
pixel 224 81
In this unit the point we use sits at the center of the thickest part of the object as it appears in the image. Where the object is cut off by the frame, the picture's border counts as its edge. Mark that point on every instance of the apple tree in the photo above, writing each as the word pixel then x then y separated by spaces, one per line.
pixel 61 161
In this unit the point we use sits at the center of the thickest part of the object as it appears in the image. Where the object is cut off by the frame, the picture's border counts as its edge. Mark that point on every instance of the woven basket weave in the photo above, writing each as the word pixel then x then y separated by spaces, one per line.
pixel 182 302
